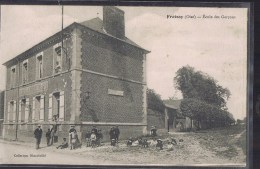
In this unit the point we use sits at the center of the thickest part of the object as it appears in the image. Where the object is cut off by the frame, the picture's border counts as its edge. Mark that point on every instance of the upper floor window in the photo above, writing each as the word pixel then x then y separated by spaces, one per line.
pixel 25 72
pixel 57 58
pixel 13 76
pixel 39 66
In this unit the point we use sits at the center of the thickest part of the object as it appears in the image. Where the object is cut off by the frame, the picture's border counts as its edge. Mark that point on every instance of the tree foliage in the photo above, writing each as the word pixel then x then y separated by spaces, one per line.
pixel 154 101
pixel 198 85
pixel 203 98
pixel 202 111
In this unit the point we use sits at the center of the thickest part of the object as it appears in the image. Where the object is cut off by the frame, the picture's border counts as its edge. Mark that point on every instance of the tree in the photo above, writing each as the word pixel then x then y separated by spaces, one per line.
pixel 154 101
pixel 203 98
pixel 198 85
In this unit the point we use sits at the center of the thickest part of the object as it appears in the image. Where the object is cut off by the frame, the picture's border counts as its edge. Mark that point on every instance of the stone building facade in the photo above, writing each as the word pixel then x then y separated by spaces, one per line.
pixel 88 74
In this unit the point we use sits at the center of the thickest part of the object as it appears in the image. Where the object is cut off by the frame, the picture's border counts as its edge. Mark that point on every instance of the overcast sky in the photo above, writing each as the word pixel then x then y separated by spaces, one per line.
pixel 214 46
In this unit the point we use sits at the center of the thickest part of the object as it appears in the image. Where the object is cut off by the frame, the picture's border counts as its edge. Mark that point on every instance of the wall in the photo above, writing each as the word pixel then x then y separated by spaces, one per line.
pixel 55 82
pixel 155 118
pixel 111 58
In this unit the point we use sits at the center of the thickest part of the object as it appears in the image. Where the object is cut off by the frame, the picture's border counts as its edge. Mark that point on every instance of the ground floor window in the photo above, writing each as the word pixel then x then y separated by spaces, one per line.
pixel 11 111
pixel 24 109
pixel 56 106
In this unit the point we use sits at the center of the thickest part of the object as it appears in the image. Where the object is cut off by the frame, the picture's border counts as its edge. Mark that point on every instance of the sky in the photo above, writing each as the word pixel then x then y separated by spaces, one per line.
pixel 217 47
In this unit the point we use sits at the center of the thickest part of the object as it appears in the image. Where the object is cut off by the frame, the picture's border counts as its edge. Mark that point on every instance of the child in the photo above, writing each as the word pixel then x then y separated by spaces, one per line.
pixel 64 144
pixel 129 142
pixel 93 139
pixel 73 139
pixel 153 131
pixel 113 142
pixel 145 143
pixel 88 134
pixel 140 142
pixel 170 146
pixel 159 144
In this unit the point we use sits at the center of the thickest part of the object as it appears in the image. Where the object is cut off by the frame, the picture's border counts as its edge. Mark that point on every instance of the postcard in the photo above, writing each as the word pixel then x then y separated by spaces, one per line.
pixel 124 85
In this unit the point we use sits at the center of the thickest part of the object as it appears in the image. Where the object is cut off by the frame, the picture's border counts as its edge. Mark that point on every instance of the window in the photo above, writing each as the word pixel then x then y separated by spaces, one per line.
pixel 38 108
pixel 39 65
pixel 13 77
pixel 22 110
pixel 56 106
pixel 11 110
pixel 57 58
pixel 25 72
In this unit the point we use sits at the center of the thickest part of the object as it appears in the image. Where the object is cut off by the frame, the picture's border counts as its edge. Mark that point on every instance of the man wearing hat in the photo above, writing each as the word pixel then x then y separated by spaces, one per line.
pixel 38 136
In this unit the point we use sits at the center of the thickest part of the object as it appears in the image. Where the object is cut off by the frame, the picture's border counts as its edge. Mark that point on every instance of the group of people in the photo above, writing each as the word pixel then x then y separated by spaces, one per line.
pixel 51 137
pixel 157 143
pixel 95 136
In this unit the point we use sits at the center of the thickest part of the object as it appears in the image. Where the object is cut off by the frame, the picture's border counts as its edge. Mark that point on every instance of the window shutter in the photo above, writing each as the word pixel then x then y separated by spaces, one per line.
pixel 14 112
pixel 20 111
pixel 42 108
pixel 8 112
pixel 27 109
pixel 33 110
pixel 50 108
pixel 61 115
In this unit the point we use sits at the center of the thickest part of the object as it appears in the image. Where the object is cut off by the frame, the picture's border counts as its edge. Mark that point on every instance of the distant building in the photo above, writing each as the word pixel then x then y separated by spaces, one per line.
pixel 174 119
pixel 97 76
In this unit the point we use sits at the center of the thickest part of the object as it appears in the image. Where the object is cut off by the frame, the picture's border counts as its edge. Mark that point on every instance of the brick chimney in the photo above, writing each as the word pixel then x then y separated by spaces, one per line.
pixel 114 21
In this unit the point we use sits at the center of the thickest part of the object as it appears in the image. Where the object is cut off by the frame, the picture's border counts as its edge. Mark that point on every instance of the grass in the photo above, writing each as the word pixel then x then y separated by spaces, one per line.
pixel 223 141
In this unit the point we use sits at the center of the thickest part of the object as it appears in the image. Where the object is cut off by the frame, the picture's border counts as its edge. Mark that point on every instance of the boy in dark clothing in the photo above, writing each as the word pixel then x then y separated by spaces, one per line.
pixel 113 142
pixel 48 137
pixel 159 144
pixel 38 136
pixel 112 133
pixel 64 144
pixel 99 137
pixel 145 143
pixel 117 133
pixel 88 134
pixel 129 141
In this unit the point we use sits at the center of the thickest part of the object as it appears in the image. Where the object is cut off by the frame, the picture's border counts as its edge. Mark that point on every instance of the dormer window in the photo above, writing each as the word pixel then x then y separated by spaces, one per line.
pixel 57 57
pixel 39 66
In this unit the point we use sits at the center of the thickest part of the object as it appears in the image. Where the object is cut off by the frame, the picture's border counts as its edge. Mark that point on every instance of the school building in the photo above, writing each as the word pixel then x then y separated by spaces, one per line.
pixel 88 74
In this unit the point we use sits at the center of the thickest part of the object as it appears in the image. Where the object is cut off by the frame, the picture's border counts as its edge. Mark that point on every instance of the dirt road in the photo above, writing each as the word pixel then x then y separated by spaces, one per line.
pixel 209 148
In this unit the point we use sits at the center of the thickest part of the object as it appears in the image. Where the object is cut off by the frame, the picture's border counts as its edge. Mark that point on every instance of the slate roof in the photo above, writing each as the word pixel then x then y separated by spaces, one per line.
pixel 95 24
pixel 174 104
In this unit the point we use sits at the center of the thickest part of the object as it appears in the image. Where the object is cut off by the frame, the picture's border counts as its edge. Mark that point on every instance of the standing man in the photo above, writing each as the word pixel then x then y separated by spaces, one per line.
pixel 117 133
pixel 38 136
